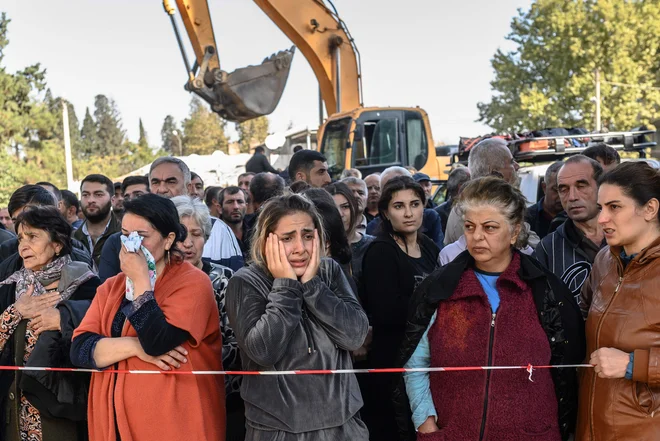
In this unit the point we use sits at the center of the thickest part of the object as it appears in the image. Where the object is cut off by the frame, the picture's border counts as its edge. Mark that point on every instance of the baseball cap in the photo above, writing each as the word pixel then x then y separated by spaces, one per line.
pixel 419 177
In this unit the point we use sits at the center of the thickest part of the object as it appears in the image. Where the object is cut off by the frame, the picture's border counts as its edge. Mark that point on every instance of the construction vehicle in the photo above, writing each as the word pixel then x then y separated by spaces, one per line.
pixel 353 136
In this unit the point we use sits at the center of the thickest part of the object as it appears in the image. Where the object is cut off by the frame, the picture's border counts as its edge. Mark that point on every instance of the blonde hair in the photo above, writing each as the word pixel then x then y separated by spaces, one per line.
pixel 270 215
pixel 496 192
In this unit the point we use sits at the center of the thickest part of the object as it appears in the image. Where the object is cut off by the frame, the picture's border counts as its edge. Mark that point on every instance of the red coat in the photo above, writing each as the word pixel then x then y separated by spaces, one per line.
pixel 505 405
pixel 154 407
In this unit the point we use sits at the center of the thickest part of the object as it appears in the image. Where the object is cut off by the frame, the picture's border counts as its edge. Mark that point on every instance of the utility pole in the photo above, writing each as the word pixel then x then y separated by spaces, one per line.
pixel 598 125
pixel 67 147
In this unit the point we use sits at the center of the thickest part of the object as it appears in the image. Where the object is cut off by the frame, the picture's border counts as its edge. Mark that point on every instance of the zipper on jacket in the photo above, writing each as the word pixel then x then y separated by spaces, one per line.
pixel 308 333
pixel 490 360
pixel 593 380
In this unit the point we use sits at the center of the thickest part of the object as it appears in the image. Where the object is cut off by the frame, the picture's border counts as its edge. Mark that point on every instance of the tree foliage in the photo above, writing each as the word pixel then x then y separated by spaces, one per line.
pixel 251 133
pixel 32 134
pixel 548 80
pixel 203 131
pixel 168 134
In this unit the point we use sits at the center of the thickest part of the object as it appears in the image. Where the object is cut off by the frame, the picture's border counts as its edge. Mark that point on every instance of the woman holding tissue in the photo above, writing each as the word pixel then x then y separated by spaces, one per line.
pixel 159 311
pixel 292 309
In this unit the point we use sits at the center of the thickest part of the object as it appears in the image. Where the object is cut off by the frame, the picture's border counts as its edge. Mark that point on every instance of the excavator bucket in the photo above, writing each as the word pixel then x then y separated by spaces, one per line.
pixel 252 91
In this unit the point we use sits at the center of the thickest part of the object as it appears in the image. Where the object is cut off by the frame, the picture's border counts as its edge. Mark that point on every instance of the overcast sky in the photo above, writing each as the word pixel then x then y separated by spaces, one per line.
pixel 428 53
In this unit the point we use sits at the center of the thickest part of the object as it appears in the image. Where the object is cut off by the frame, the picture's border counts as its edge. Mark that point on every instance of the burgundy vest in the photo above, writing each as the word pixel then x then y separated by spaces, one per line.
pixel 516 409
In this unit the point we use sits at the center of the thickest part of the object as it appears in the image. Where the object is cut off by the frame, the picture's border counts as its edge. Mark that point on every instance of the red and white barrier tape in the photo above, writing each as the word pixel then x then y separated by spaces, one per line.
pixel 529 368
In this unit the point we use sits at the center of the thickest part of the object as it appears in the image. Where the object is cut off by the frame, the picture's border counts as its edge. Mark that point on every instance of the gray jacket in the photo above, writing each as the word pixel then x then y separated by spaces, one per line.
pixel 284 325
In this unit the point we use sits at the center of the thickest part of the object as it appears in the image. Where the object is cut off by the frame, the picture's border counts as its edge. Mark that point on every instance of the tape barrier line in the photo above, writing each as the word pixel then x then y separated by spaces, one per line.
pixel 529 368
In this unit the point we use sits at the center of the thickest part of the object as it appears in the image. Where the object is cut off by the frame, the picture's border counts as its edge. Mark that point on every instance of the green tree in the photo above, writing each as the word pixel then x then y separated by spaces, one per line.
pixel 548 79
pixel 143 140
pixel 203 131
pixel 251 133
pixel 168 134
pixel 88 139
pixel 109 132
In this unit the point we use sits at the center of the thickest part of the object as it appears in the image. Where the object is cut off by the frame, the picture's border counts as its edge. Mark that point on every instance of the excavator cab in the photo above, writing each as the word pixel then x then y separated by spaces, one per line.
pixel 372 139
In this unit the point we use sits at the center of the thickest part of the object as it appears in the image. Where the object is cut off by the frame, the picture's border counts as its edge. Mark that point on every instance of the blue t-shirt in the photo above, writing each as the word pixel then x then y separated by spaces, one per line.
pixel 489 284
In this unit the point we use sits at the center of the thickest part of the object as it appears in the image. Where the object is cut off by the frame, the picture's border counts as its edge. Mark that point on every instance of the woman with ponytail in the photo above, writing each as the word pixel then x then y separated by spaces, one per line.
pixel 158 313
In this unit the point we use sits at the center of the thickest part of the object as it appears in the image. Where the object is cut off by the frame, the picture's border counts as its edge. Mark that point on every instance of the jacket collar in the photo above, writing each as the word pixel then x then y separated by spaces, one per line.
pixel 646 255
pixel 442 283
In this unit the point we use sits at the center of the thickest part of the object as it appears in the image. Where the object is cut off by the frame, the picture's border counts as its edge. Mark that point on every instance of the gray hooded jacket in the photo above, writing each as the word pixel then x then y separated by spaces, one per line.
pixel 283 325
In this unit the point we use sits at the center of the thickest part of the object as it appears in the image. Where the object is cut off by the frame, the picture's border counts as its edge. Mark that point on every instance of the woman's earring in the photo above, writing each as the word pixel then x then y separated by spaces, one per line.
pixel 168 256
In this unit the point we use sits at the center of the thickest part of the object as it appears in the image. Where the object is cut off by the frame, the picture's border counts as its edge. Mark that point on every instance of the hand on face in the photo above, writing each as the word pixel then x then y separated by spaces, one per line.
pixel 134 266
pixel 314 262
pixel 277 260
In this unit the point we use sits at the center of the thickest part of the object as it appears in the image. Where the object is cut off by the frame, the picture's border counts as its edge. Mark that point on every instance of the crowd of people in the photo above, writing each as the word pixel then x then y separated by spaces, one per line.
pixel 290 270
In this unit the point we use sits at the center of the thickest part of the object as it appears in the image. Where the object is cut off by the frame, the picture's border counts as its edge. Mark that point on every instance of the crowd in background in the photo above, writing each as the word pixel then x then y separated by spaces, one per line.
pixel 290 270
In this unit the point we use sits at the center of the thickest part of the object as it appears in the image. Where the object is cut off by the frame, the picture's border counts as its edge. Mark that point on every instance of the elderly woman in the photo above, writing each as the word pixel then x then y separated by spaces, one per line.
pixel 195 216
pixel 42 303
pixel 492 306
pixel 292 309
pixel 159 311
pixel 620 396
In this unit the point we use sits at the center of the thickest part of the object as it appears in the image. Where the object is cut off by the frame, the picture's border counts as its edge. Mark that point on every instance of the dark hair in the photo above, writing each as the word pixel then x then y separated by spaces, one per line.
pixel 99 179
pixel 30 195
pixel 162 215
pixel 259 150
pixel 194 175
pixel 242 175
pixel 595 165
pixel 117 186
pixel 70 200
pixel 299 186
pixel 304 160
pixel 210 194
pixel 229 191
pixel 265 186
pixel 134 180
pixel 456 179
pixel 395 185
pixel 49 219
pixel 342 189
pixel 297 148
pixel 57 191
pixel 604 152
pixel 271 214
pixel 637 180
pixel 333 227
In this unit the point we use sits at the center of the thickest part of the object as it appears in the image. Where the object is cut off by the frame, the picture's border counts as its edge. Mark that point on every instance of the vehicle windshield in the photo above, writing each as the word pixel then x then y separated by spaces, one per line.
pixel 333 145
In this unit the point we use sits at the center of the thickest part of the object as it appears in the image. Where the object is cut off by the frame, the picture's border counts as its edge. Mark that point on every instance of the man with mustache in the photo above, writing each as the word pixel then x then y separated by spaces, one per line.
pixel 570 250
pixel 96 203
pixel 234 206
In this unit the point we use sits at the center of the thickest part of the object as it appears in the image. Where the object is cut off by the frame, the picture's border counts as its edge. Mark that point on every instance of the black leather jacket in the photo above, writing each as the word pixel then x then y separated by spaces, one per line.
pixel 557 311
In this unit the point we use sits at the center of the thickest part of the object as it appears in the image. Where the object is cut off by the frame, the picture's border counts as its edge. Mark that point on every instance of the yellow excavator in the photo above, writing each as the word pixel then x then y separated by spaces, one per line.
pixel 353 136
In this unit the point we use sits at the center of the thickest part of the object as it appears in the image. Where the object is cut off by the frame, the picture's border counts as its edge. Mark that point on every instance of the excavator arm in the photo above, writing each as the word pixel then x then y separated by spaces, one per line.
pixel 249 92
pixel 324 40
pixel 238 96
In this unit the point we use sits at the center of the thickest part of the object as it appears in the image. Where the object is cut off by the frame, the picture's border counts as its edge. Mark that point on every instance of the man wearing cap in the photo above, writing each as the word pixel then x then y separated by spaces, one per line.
pixel 425 181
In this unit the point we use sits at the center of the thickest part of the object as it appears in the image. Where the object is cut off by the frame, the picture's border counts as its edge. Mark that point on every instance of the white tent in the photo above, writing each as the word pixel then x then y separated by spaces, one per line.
pixel 218 168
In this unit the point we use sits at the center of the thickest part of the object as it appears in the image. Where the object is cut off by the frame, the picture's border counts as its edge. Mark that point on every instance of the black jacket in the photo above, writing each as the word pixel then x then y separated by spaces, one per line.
pixel 113 227
pixel 557 311
pixel 60 397
pixel 258 163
